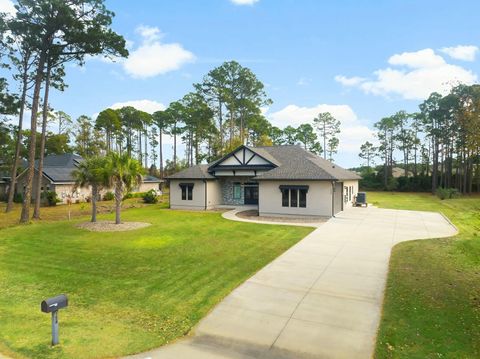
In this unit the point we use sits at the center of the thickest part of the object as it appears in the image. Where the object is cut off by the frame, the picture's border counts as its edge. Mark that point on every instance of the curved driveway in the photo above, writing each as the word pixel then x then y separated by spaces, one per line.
pixel 320 299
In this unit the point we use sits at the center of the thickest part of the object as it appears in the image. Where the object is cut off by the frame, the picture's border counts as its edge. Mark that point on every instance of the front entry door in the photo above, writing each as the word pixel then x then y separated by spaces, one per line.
pixel 251 194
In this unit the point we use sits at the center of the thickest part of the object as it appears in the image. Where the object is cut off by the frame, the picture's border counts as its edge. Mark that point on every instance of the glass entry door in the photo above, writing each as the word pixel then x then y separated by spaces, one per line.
pixel 251 193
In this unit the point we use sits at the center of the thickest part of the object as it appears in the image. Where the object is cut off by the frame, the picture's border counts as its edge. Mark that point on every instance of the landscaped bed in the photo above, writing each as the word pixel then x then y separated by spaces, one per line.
pixel 253 215
pixel 432 301
pixel 128 291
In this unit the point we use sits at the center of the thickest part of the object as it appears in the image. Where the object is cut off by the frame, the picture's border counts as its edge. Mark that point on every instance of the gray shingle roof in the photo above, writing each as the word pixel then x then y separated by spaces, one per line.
pixel 293 163
pixel 195 172
pixel 297 163
pixel 151 179
pixel 58 168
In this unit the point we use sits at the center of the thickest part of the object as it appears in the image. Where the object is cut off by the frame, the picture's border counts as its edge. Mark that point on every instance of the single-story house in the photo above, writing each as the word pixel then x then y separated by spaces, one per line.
pixel 280 180
pixel 57 176
pixel 4 181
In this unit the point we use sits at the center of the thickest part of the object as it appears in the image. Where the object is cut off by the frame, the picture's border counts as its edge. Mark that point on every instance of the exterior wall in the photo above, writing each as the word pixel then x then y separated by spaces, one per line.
pixel 319 199
pixel 66 190
pixel 145 187
pixel 349 197
pixel 22 182
pixel 214 194
pixel 338 205
pixel 198 195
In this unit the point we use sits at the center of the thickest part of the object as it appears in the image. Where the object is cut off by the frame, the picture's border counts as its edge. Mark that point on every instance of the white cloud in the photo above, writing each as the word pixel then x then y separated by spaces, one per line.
pixel 6 6
pixel 352 137
pixel 461 52
pixel 149 33
pixel 353 132
pixel 294 115
pixel 415 76
pixel 426 58
pixel 303 81
pixel 153 57
pixel 143 105
pixel 244 2
pixel 349 81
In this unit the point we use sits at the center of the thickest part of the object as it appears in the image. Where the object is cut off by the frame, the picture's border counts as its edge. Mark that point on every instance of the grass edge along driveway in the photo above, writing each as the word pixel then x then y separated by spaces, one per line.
pixel 432 299
pixel 129 291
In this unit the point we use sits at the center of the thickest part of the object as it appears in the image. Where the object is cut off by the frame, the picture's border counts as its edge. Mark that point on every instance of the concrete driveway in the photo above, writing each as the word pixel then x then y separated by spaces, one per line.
pixel 320 299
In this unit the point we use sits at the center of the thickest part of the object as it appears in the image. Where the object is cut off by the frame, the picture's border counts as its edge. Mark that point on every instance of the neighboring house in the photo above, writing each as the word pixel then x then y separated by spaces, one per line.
pixel 4 182
pixel 400 172
pixel 57 176
pixel 280 180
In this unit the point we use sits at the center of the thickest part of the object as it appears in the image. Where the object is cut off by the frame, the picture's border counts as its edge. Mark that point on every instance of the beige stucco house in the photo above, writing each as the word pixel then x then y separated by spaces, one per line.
pixel 280 180
pixel 57 176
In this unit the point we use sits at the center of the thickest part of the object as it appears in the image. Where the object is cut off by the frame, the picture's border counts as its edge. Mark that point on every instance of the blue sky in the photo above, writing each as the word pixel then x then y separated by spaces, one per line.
pixel 361 60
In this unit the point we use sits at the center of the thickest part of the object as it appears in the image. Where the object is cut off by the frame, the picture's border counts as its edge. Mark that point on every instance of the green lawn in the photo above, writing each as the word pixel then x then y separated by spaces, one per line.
pixel 432 301
pixel 128 291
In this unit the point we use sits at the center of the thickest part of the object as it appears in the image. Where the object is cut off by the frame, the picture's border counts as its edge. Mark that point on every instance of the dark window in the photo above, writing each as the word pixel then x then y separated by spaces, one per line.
pixel 294 195
pixel 293 198
pixel 302 200
pixel 285 193
pixel 187 191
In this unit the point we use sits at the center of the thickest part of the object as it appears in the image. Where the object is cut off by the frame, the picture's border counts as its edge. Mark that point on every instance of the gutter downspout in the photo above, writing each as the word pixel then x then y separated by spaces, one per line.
pixel 169 194
pixel 205 183
pixel 333 198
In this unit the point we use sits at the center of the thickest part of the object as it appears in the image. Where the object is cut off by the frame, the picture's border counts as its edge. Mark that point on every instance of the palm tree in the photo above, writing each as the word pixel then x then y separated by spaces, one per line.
pixel 124 173
pixel 91 172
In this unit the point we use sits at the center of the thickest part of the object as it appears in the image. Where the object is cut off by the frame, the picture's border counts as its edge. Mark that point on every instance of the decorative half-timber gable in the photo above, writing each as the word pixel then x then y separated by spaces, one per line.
pixel 241 162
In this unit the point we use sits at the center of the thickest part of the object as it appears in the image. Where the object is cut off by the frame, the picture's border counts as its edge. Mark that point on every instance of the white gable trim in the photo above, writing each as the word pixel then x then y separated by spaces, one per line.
pixel 243 157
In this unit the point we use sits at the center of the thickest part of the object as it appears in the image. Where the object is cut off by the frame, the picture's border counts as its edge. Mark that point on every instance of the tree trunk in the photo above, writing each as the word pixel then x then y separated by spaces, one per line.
pixel 38 194
pixel 13 173
pixel 191 149
pixel 231 127
pixel 435 167
pixel 118 200
pixel 140 155
pixel 196 150
pixel 175 146
pixel 27 195
pixel 94 203
pixel 145 144
pixel 160 152
pixel 415 173
pixel 220 124
pixel 324 141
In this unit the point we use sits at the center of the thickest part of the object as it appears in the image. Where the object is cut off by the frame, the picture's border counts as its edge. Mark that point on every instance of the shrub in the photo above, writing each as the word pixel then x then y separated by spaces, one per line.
pixel 392 184
pixel 150 196
pixel 447 193
pixel 109 196
pixel 128 195
pixel 51 198
pixel 137 194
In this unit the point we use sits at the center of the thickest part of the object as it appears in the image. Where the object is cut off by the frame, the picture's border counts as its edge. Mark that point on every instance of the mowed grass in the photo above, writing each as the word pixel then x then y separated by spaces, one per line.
pixel 76 210
pixel 128 291
pixel 432 300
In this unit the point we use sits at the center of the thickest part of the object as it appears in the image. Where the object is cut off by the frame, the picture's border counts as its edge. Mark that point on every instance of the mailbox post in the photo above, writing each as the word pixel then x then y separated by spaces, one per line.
pixel 53 305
